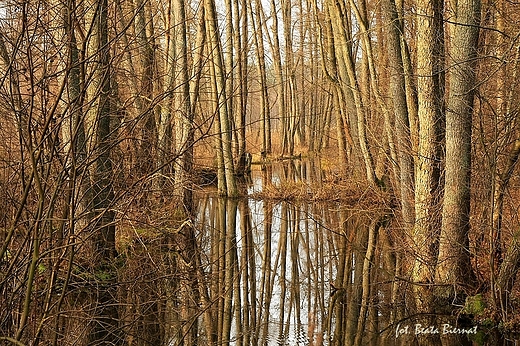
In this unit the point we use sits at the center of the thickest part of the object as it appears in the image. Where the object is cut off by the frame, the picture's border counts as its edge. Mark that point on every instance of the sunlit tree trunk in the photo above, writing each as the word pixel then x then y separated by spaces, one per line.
pixel 228 50
pixel 409 80
pixel 504 256
pixel 290 75
pixel 368 56
pixel 103 171
pixel 73 129
pixel 427 176
pixel 454 263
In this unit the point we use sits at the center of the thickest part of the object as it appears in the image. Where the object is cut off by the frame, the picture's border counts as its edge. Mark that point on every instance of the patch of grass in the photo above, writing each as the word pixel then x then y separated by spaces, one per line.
pixel 475 305
pixel 354 195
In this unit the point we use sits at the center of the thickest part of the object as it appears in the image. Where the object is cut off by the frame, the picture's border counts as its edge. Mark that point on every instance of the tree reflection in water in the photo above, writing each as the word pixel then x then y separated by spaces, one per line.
pixel 289 256
pixel 255 271
pixel 285 272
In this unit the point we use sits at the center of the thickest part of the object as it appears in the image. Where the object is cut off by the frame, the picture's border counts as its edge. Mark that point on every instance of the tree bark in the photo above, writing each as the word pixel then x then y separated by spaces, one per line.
pixel 184 116
pixel 105 318
pixel 454 264
pixel 402 124
pixel 227 170
pixel 264 96
pixel 427 190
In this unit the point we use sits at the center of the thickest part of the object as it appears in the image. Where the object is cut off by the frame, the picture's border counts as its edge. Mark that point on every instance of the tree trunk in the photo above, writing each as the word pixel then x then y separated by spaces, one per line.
pixel 349 82
pixel 105 318
pixel 427 190
pixel 146 162
pixel 278 72
pixel 264 96
pixel 184 131
pixel 402 124
pixel 220 94
pixel 454 264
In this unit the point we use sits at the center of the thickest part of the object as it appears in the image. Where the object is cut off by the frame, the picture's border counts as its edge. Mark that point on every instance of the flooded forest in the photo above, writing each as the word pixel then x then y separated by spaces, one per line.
pixel 247 172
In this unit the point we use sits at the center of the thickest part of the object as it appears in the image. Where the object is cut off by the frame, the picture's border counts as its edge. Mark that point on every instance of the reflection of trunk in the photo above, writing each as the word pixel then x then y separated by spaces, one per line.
pixel 373 228
pixel 391 257
pixel 249 289
pixel 281 257
pixel 266 285
pixel 346 289
pixel 295 268
pixel 353 283
pixel 230 270
pixel 189 293
pixel 219 260
pixel 208 290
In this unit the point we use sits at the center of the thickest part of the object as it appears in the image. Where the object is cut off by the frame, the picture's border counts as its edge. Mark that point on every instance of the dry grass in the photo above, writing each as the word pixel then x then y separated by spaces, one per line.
pixel 349 194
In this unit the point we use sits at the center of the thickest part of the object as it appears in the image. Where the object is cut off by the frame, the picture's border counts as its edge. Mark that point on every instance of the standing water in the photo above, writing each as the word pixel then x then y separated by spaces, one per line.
pixel 286 270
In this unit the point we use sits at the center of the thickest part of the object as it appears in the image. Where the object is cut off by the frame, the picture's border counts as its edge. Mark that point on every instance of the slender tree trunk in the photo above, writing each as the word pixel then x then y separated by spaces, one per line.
pixel 73 129
pixel 280 84
pixel 373 228
pixel 227 170
pixel 241 40
pixel 146 162
pixel 258 26
pixel 368 61
pixel 184 130
pixel 350 84
pixel 402 124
